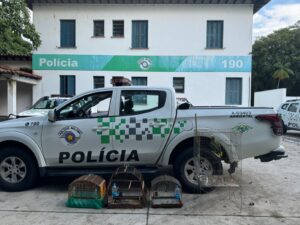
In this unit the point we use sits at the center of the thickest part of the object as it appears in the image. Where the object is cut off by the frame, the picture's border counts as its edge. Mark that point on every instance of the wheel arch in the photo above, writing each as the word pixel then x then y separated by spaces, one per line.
pixel 23 141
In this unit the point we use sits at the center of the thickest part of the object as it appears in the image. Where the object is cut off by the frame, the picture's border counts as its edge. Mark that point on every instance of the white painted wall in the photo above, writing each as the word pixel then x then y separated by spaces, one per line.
pixel 3 98
pixel 24 96
pixel 272 98
pixel 173 30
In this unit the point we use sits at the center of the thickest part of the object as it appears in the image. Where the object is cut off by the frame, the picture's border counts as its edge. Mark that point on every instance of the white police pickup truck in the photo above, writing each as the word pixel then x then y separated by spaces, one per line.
pixel 140 126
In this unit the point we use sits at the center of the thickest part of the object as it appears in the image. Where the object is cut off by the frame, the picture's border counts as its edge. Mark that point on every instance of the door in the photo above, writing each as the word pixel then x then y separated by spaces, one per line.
pixel 78 137
pixel 293 116
pixel 142 126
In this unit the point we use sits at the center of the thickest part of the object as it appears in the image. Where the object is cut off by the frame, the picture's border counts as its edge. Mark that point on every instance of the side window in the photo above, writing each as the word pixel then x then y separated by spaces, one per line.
pixel 293 107
pixel 284 106
pixel 140 101
pixel 90 106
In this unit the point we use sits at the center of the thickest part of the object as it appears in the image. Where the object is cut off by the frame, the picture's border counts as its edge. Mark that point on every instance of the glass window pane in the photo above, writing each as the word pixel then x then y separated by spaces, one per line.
pixel 139 34
pixel 118 28
pixel 214 36
pixel 178 84
pixel 67 85
pixel 99 28
pixel 139 81
pixel 67 33
pixel 233 91
pixel 99 81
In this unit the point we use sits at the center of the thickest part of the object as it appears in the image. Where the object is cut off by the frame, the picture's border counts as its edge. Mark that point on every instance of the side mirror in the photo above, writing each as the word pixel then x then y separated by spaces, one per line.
pixel 184 106
pixel 52 115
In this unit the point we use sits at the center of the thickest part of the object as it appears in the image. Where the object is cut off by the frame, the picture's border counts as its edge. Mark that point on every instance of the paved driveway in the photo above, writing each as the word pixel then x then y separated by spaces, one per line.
pixel 269 194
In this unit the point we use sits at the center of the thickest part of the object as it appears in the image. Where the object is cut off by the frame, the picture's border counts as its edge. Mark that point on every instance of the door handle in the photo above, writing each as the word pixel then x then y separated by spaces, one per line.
pixel 157 124
pixel 99 128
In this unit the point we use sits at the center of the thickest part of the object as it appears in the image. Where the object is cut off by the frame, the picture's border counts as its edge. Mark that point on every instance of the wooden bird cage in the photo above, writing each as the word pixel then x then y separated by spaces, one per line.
pixel 166 192
pixel 87 191
pixel 126 189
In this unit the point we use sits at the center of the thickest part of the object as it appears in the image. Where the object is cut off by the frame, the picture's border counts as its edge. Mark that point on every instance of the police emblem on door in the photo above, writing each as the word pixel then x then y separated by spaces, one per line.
pixel 70 135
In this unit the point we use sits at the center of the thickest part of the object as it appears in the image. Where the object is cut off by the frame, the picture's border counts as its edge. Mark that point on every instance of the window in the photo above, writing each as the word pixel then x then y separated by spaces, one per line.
pixel 139 81
pixel 89 106
pixel 98 82
pixel 118 28
pixel 98 28
pixel 130 101
pixel 139 34
pixel 67 33
pixel 214 36
pixel 67 85
pixel 178 84
pixel 233 91
pixel 284 106
pixel 293 107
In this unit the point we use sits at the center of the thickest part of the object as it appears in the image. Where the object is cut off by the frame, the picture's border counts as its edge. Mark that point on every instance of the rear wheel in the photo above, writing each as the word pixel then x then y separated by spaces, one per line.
pixel 18 170
pixel 185 168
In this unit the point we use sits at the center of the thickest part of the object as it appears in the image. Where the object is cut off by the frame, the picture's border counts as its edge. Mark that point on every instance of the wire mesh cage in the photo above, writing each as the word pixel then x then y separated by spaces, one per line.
pixel 87 191
pixel 166 192
pixel 126 189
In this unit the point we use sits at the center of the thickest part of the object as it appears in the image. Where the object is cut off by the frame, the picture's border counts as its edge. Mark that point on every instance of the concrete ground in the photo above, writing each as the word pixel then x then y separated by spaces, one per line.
pixel 269 193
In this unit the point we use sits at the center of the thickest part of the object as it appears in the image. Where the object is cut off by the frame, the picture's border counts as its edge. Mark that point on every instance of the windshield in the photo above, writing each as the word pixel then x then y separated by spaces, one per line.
pixel 46 103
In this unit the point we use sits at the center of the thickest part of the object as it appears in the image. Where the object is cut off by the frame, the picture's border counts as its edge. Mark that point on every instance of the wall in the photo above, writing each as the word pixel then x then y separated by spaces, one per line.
pixel 272 98
pixel 24 96
pixel 3 98
pixel 174 30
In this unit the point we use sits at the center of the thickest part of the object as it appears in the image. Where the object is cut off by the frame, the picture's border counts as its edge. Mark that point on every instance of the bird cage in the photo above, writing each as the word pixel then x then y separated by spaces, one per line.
pixel 166 192
pixel 126 189
pixel 87 191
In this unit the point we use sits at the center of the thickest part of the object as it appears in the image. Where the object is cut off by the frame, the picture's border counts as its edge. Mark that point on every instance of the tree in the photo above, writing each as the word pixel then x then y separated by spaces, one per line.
pixel 17 33
pixel 282 72
pixel 277 53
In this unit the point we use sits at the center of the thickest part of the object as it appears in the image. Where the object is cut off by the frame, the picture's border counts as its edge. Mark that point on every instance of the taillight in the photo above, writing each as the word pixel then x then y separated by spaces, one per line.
pixel 275 121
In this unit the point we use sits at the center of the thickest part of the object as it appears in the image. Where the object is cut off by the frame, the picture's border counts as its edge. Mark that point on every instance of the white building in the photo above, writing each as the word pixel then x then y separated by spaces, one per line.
pixel 201 47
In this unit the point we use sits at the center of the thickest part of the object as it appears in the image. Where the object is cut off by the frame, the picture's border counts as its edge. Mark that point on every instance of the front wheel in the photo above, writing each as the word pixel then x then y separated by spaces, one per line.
pixel 18 170
pixel 185 168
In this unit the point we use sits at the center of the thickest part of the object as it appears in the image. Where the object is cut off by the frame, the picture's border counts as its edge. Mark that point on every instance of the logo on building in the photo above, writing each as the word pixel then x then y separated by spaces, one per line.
pixel 70 135
pixel 145 63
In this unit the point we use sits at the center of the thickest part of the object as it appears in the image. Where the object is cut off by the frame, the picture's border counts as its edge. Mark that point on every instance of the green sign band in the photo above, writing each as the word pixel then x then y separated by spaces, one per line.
pixel 142 63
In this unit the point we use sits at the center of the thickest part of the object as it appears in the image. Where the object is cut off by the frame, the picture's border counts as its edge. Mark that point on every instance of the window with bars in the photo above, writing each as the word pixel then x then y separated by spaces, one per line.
pixel 99 81
pixel 67 85
pixel 139 81
pixel 139 34
pixel 67 33
pixel 233 91
pixel 98 28
pixel 178 84
pixel 118 28
pixel 214 36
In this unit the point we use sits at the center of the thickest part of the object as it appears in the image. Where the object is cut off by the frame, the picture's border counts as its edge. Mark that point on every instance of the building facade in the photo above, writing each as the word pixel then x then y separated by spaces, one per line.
pixel 202 50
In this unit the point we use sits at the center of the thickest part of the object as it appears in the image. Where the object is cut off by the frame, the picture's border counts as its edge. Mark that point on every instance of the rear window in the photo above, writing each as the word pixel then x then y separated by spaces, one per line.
pixel 284 106
pixel 293 107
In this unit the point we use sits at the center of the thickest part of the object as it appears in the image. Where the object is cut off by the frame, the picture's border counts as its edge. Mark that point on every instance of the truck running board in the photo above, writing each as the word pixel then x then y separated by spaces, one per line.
pixel 274 155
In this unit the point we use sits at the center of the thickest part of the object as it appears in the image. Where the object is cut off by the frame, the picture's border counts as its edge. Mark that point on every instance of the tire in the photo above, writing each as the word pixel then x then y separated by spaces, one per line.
pixel 18 169
pixel 184 159
pixel 284 128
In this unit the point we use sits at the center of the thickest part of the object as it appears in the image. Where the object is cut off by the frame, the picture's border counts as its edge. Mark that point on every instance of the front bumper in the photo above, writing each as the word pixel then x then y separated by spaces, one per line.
pixel 276 154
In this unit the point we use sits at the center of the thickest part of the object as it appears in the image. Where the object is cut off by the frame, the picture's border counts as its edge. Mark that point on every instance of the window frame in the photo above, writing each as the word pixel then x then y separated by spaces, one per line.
pixel 133 44
pixel 183 78
pixel 207 35
pixel 241 90
pixel 137 77
pixel 292 104
pixel 60 84
pixel 284 106
pixel 113 29
pixel 98 77
pixel 81 97
pixel 162 97
pixel 61 39
pixel 94 23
